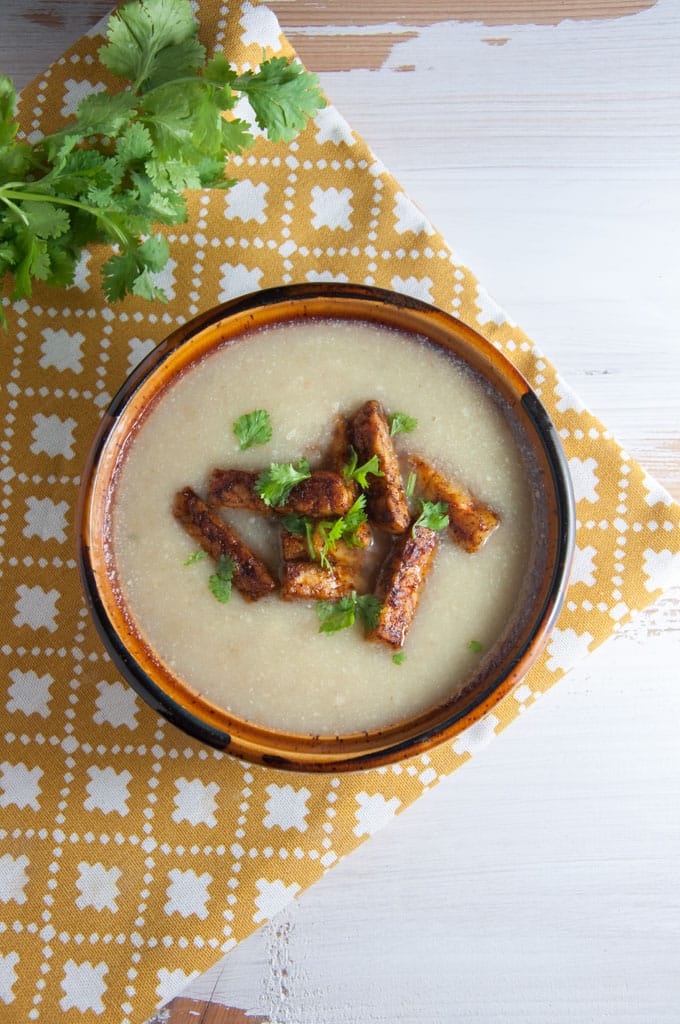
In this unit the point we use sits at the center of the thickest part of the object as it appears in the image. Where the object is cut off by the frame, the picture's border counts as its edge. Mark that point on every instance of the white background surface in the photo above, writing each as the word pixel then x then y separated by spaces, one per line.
pixel 541 883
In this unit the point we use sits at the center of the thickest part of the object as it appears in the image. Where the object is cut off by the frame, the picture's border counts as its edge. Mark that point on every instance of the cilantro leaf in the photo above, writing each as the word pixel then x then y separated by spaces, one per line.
pixel 475 646
pixel 368 610
pixel 433 515
pixel 275 484
pixel 220 581
pixel 352 471
pixel 282 95
pixel 253 428
pixel 399 658
pixel 336 615
pixel 400 423
pixel 152 42
pixel 196 556
pixel 344 528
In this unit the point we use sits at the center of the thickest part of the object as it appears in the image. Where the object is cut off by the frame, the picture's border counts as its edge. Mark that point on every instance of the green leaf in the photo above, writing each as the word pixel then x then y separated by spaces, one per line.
pixel 344 528
pixel 368 610
pixel 219 70
pixel 336 615
pixel 283 95
pixel 275 484
pixel 47 220
pixel 236 135
pixel 400 423
pixel 196 556
pixel 253 428
pixel 399 658
pixel 475 646
pixel 7 98
pixel 154 252
pixel 134 144
pixel 119 274
pixel 433 515
pixel 220 581
pixel 152 42
pixel 103 113
pixel 360 473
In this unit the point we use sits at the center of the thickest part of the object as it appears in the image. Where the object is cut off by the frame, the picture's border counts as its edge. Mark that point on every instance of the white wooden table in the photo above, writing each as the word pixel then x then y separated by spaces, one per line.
pixel 541 883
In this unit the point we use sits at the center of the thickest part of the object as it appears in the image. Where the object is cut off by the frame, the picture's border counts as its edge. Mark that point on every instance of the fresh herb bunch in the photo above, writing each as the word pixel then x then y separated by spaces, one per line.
pixel 121 165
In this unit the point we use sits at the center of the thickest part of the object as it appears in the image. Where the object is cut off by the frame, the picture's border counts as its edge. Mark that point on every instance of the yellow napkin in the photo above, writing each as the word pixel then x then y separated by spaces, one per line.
pixel 132 857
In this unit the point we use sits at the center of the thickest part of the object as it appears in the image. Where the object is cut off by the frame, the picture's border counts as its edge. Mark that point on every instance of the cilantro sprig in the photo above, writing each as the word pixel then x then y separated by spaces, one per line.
pixel 433 515
pixel 345 528
pixel 275 484
pixel 401 423
pixel 220 581
pixel 353 471
pixel 253 428
pixel 120 166
pixel 336 615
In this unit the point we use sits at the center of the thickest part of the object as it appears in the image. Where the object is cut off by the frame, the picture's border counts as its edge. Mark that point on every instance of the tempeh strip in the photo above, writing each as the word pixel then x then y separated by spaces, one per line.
pixel 340 449
pixel 471 522
pixel 401 582
pixel 387 503
pixel 304 580
pixel 251 577
pixel 322 494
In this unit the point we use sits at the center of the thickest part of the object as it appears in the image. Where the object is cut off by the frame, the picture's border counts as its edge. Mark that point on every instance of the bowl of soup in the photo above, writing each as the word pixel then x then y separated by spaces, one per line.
pixel 325 527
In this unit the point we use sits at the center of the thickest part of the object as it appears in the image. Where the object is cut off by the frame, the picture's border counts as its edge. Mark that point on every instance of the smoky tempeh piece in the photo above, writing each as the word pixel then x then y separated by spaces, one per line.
pixel 387 502
pixel 251 577
pixel 401 582
pixel 324 493
pixel 301 581
pixel 340 448
pixel 471 522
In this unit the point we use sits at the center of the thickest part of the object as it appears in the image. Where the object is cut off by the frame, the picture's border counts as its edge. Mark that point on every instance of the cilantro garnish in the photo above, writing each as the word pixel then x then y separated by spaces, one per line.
pixel 400 423
pixel 336 615
pixel 410 485
pixel 352 471
pixel 275 484
pixel 196 556
pixel 474 645
pixel 345 528
pixel 253 428
pixel 220 581
pixel 120 166
pixel 433 514
pixel 399 658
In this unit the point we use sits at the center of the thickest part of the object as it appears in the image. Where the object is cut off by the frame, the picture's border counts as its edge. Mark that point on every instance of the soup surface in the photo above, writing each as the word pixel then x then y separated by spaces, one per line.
pixel 267 661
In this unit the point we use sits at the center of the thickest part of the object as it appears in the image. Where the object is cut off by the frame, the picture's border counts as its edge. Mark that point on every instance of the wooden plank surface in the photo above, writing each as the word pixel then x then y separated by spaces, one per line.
pixel 541 883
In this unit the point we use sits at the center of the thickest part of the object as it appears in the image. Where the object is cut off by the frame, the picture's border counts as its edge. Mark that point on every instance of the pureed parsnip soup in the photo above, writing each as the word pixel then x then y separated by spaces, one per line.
pixel 267 661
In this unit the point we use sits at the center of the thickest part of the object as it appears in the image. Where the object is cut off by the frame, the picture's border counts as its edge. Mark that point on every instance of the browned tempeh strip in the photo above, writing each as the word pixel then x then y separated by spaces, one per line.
pixel 251 576
pixel 322 494
pixel 303 580
pixel 387 503
pixel 401 582
pixel 471 522
pixel 235 488
pixel 340 448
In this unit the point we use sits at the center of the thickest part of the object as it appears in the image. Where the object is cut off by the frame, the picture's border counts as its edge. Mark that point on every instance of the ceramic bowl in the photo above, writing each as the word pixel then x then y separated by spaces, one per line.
pixel 202 719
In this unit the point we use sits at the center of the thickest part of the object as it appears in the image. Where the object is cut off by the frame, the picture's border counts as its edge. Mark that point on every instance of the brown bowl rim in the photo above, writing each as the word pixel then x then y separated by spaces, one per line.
pixel 253 743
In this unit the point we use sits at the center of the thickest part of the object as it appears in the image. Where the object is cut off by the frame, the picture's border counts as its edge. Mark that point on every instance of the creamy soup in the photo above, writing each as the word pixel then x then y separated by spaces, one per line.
pixel 267 662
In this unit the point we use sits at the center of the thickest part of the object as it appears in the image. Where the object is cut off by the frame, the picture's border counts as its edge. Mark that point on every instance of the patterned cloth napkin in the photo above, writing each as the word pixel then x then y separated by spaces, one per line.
pixel 132 857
